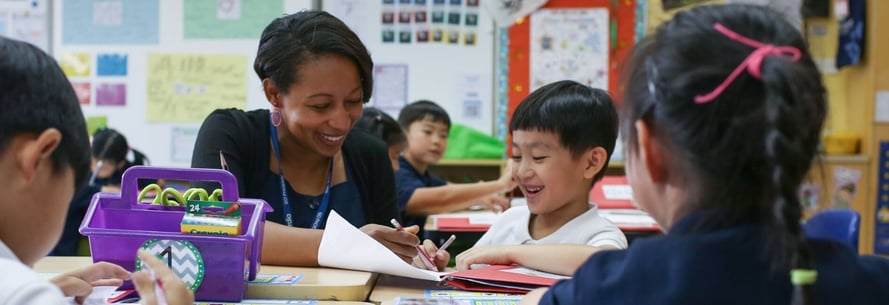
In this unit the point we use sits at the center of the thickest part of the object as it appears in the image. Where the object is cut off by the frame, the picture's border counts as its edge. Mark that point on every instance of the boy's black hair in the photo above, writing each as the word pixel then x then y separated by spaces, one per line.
pixel 581 116
pixel 747 151
pixel 381 125
pixel 34 96
pixel 421 110
pixel 289 42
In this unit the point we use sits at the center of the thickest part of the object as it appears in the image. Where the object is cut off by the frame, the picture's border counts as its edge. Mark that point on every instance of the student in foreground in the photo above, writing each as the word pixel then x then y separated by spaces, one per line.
pixel 420 193
pixel 717 147
pixel 563 135
pixel 44 157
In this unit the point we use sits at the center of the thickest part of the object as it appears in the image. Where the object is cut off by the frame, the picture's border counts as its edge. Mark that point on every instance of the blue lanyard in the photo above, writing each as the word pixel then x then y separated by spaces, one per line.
pixel 285 200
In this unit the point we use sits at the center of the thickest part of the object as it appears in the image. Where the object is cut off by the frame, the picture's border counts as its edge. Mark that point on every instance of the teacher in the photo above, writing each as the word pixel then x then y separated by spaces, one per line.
pixel 301 157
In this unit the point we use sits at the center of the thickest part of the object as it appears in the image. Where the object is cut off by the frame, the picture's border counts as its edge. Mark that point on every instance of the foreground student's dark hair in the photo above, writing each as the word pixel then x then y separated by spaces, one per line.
pixel 34 96
pixel 583 117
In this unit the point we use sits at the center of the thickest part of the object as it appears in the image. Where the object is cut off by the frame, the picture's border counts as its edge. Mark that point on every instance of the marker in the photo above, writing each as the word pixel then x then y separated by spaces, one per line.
pixel 423 255
pixel 158 287
pixel 222 161
pixel 446 244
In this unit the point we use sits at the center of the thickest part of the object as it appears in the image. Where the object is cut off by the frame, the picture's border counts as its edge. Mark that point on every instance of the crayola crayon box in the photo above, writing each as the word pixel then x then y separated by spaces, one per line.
pixel 212 217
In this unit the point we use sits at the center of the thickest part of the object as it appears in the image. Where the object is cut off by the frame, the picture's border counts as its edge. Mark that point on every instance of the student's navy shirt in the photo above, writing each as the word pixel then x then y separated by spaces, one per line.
pixel 723 266
pixel 408 180
pixel 344 199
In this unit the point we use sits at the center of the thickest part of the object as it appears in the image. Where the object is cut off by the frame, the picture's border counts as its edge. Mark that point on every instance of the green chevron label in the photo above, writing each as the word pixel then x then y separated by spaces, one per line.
pixel 181 256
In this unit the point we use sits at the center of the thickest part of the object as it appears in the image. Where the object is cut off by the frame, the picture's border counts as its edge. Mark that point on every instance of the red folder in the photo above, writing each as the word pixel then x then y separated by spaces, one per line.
pixel 495 279
pixel 459 224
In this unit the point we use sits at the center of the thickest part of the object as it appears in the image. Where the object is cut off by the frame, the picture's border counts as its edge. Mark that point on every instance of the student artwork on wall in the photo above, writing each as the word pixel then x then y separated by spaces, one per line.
pixel 25 20
pixel 111 94
pixel 76 64
pixel 619 30
pixel 109 22
pixel 111 64
pixel 569 44
pixel 83 90
pixel 229 19
pixel 187 87
pixel 390 86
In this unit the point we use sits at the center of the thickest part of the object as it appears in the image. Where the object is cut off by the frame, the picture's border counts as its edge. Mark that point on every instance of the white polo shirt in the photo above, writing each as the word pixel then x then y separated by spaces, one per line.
pixel 19 285
pixel 588 228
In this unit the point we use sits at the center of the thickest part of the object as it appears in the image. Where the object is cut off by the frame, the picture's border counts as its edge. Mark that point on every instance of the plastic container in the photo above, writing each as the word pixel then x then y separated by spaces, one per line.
pixel 841 143
pixel 117 226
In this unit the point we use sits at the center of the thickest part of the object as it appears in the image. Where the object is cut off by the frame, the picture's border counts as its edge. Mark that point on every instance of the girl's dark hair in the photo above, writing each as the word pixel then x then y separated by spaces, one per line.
pixel 581 116
pixel 381 125
pixel 34 96
pixel 108 144
pixel 288 42
pixel 747 151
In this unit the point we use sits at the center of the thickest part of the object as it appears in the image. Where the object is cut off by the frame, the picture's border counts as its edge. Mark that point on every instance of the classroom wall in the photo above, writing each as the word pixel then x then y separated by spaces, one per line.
pixel 156 139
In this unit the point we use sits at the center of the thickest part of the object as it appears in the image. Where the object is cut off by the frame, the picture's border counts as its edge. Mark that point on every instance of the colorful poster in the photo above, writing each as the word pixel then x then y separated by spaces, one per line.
pixel 25 20
pixel 225 19
pixel 95 122
pixel 185 88
pixel 111 64
pixel 845 182
pixel 83 91
pixel 109 22
pixel 75 64
pixel 506 12
pixel 569 44
pixel 111 94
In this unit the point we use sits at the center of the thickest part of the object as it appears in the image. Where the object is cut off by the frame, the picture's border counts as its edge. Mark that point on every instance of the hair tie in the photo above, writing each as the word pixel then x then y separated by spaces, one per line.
pixel 803 276
pixel 752 63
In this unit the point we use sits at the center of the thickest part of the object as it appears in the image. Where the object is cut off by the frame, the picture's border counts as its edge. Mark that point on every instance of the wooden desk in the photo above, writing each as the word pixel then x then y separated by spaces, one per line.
pixel 389 287
pixel 316 284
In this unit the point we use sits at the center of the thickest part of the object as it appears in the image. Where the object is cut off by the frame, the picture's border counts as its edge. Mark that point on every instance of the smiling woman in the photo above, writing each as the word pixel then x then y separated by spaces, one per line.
pixel 300 156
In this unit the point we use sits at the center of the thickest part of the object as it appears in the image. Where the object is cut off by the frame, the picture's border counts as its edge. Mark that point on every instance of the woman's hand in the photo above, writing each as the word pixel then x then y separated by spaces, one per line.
pixel 79 283
pixel 491 255
pixel 402 243
pixel 440 259
pixel 174 290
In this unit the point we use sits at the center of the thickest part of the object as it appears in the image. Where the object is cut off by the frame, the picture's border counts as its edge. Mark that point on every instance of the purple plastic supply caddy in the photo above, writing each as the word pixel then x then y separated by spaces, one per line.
pixel 117 225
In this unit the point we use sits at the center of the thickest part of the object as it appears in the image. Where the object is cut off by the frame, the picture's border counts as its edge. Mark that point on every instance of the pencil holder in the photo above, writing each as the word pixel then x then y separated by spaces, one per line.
pixel 214 267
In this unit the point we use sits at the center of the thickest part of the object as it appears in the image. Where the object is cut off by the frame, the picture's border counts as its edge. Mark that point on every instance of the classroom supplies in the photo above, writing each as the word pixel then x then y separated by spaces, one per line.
pixel 117 226
pixel 201 219
pixel 446 244
pixel 500 278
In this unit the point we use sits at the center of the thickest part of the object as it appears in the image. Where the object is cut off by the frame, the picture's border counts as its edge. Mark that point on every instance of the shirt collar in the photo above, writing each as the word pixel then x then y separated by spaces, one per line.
pixel 7 253
pixel 402 163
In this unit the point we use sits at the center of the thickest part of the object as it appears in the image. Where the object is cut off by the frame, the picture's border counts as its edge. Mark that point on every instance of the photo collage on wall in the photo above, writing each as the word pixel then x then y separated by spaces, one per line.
pixel 452 22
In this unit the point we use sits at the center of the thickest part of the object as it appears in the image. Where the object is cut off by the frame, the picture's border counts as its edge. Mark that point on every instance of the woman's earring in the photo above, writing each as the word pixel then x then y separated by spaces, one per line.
pixel 275 116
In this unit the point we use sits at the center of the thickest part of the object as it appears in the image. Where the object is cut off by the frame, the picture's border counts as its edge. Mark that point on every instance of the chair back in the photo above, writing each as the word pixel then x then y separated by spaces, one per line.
pixel 838 225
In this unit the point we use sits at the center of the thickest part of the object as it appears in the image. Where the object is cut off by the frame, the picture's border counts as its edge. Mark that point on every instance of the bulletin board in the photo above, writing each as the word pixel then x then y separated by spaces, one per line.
pixel 26 20
pixel 154 69
pixel 456 72
pixel 525 39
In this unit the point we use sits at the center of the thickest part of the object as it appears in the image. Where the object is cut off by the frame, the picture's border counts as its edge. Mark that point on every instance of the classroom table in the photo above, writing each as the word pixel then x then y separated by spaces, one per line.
pixel 317 283
pixel 388 287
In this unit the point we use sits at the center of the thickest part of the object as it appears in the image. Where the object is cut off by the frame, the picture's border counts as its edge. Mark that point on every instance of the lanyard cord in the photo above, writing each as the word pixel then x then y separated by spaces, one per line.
pixel 285 200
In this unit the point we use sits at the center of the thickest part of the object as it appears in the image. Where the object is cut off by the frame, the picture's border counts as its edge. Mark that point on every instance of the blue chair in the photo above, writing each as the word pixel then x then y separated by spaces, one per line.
pixel 838 225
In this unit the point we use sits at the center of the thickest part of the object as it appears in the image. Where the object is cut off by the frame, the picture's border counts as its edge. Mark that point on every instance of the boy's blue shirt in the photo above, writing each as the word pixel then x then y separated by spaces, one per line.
pixel 408 180
pixel 720 266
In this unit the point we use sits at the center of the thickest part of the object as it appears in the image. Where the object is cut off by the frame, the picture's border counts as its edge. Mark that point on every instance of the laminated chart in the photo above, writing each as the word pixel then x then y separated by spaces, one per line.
pixel 186 88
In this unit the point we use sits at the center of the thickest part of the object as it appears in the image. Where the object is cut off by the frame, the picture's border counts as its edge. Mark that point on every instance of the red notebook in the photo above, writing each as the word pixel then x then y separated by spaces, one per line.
pixel 460 224
pixel 501 278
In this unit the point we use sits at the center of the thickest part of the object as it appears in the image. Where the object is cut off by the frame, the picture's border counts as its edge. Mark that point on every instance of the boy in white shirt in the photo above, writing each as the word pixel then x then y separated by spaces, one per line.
pixel 44 157
pixel 563 135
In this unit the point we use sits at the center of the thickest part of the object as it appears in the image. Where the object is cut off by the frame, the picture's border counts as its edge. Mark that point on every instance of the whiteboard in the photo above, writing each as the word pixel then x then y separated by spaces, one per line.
pixel 165 143
pixel 441 72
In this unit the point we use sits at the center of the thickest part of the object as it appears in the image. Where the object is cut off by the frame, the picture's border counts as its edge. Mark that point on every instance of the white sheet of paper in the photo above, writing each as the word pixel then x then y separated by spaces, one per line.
pixel 344 246
pixel 623 216
pixel 617 191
